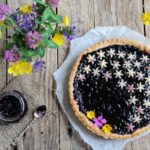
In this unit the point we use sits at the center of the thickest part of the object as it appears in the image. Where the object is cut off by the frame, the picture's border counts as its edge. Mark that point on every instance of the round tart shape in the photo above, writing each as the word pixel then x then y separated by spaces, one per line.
pixel 109 89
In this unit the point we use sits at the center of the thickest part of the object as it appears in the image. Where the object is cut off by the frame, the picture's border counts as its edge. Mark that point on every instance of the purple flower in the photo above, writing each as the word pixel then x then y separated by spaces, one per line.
pixel 26 21
pixel 12 55
pixel 38 65
pixel 98 122
pixel 33 39
pixel 4 10
pixel 54 3
pixel 69 33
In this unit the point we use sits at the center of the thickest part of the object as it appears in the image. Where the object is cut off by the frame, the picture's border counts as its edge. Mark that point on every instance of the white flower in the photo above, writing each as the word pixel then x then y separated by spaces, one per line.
pixel 147 92
pixel 144 58
pixel 111 52
pixel 118 74
pixel 131 56
pixel 133 100
pixel 103 63
pixel 147 80
pixel 137 64
pixel 131 73
pixel 140 87
pixel 136 119
pixel 101 54
pixel 140 75
pixel 86 69
pixel 91 58
pixel 146 103
pixel 127 64
pixel 96 72
pixel 121 54
pixel 122 83
pixel 115 65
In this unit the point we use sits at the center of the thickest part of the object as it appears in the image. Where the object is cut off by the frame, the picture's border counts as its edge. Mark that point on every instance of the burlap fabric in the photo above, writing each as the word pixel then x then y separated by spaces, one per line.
pixel 30 87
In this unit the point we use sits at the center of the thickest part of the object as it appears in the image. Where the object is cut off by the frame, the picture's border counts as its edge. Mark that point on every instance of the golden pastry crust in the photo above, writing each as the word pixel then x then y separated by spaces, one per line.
pixel 74 104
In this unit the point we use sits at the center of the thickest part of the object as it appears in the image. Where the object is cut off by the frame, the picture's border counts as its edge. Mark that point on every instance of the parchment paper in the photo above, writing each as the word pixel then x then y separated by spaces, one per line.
pixel 61 77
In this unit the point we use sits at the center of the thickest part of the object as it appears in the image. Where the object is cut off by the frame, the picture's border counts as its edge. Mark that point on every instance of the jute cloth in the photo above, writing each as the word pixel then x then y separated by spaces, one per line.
pixel 30 87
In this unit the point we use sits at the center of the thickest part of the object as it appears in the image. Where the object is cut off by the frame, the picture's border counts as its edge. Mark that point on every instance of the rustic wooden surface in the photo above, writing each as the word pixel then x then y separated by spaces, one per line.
pixel 56 133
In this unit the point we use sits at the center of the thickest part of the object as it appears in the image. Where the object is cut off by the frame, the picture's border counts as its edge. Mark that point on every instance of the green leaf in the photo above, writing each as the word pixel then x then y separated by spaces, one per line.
pixel 37 21
pixel 46 14
pixel 51 44
pixel 47 33
pixel 9 45
pixel 55 19
pixel 31 53
pixel 51 16
pixel 41 51
pixel 25 53
pixel 40 2
pixel 24 58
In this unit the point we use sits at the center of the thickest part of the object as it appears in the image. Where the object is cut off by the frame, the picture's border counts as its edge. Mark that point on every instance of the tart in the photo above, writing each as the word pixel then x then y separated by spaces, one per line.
pixel 109 89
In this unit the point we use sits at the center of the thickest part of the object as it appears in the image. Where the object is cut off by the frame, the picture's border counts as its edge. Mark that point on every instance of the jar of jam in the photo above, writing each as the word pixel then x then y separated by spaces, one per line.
pixel 13 107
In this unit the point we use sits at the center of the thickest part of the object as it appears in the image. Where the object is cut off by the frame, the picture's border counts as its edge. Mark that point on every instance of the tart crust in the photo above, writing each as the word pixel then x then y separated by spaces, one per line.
pixel 74 104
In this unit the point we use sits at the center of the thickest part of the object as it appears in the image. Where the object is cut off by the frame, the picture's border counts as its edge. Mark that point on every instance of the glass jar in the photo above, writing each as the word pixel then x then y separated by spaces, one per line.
pixel 13 106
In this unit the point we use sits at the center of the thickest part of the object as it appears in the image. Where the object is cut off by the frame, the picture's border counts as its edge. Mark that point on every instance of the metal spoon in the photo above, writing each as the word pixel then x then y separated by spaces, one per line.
pixel 40 112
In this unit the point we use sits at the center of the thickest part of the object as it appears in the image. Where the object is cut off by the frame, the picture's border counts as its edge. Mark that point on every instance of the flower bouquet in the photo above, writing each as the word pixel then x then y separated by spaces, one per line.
pixel 35 27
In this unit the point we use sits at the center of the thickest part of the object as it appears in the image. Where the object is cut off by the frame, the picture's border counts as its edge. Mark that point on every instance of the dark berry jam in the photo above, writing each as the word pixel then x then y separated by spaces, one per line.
pixel 12 106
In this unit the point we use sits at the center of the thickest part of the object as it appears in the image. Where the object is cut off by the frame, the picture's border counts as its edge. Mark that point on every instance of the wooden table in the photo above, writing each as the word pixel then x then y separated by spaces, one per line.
pixel 57 133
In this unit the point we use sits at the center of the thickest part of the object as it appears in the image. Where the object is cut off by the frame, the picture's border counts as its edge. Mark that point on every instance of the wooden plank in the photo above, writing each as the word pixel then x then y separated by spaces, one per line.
pixel 14 5
pixel 3 68
pixel 45 135
pixel 146 7
pixel 112 13
pixel 116 12
pixel 123 13
pixel 81 14
pixel 2 62
pixel 143 143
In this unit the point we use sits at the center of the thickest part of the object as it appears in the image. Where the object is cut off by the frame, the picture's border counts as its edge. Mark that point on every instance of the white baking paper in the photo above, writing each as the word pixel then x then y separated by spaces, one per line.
pixel 61 77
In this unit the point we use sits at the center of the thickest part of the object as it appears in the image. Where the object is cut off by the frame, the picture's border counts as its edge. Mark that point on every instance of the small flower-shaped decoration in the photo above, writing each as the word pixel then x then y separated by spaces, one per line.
pixel 12 55
pixel 66 21
pixel 90 114
pixel 20 68
pixel 107 128
pixel 26 9
pixel 58 39
pixel 100 121
pixel 146 18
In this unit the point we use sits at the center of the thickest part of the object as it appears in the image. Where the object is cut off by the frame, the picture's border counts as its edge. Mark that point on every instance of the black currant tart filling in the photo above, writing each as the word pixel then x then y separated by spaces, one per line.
pixel 111 87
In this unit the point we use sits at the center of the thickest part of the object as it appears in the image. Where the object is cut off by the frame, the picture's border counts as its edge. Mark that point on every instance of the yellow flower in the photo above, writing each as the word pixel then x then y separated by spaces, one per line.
pixel 1 22
pixel 26 9
pixel 1 34
pixel 107 128
pixel 146 18
pixel 58 39
pixel 20 68
pixel 66 21
pixel 90 114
